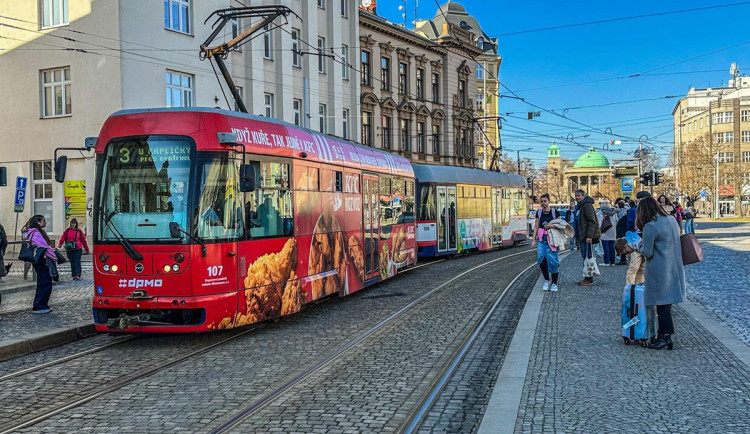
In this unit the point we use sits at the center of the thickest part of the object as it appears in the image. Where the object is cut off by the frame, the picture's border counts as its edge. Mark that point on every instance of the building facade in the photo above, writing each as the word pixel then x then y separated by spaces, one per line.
pixel 712 125
pixel 63 72
pixel 416 90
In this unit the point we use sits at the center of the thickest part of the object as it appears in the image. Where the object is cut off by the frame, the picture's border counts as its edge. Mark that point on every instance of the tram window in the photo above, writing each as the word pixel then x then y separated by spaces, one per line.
pixel 220 210
pixel 268 209
pixel 274 174
pixel 427 209
pixel 409 198
pixel 339 181
pixel 306 178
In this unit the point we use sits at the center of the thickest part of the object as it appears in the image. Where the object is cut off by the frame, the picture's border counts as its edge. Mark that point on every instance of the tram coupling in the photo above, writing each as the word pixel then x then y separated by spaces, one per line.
pixel 124 322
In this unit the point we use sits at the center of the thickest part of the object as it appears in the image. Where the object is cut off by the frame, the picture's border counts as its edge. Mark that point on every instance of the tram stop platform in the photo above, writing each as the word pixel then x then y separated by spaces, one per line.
pixel 568 370
pixel 23 332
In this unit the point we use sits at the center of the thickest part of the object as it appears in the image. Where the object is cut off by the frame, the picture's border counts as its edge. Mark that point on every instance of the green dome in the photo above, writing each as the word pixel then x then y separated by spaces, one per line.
pixel 553 151
pixel 592 159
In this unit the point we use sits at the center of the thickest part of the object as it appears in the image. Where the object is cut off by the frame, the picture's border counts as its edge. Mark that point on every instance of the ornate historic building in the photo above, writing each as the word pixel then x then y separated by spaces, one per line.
pixel 591 172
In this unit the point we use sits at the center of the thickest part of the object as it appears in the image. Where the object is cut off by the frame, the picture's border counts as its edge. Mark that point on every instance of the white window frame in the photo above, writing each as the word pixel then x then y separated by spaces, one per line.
pixel 723 117
pixel 43 181
pixel 746 156
pixel 47 12
pixel 64 85
pixel 322 4
pixel 182 26
pixel 726 157
pixel 480 71
pixel 322 112
pixel 746 178
pixel 240 91
pixel 746 136
pixel 745 115
pixel 236 30
pixel 268 105
pixel 345 62
pixel 186 92
pixel 345 122
pixel 268 42
pixel 296 58
pixel 297 110
pixel 345 8
pixel 321 55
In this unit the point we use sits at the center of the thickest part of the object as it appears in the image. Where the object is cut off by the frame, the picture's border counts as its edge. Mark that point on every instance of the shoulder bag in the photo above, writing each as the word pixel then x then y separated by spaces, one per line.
pixel 70 245
pixel 30 253
pixel 692 251
pixel 606 224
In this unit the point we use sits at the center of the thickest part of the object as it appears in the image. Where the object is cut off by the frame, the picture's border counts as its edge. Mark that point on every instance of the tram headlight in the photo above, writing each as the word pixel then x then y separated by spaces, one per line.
pixel 105 268
pixel 115 268
pixel 166 268
pixel 175 268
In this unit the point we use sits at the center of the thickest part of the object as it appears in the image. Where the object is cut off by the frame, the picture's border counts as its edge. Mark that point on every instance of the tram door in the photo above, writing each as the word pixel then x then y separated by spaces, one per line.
pixel 446 197
pixel 371 226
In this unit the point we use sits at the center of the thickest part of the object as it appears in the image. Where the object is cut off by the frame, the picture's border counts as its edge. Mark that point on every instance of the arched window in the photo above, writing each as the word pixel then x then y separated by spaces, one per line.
pixel 480 43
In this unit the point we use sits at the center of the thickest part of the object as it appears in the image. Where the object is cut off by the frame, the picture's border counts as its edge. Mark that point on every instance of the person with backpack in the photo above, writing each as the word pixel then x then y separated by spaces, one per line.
pixel 588 230
pixel 74 241
pixel 38 238
pixel 607 226
pixel 546 254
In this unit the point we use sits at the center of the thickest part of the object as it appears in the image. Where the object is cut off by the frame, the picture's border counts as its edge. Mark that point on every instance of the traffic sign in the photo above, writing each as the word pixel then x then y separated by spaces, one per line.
pixel 20 198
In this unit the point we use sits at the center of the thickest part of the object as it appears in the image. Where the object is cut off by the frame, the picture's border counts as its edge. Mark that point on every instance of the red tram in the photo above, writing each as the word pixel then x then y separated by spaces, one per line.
pixel 207 219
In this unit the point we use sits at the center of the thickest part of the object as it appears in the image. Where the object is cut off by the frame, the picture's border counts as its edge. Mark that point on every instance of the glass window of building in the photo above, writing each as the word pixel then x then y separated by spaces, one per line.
pixel 345 62
pixel 321 57
pixel 322 115
pixel 41 179
pixel 435 87
pixel 179 89
pixel 345 123
pixel 55 13
pixel 297 108
pixel 436 138
pixel 420 137
pixel 403 78
pixel 296 58
pixel 420 83
pixel 387 131
pixel 268 104
pixel 177 15
pixel 405 145
pixel 56 95
pixel 365 68
pixel 385 73
pixel 366 128
pixel 268 42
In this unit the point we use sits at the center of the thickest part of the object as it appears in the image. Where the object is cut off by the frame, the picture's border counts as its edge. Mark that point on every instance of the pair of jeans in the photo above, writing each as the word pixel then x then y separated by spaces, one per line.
pixel 690 226
pixel 664 314
pixel 543 251
pixel 43 286
pixel 609 251
pixel 587 250
pixel 74 256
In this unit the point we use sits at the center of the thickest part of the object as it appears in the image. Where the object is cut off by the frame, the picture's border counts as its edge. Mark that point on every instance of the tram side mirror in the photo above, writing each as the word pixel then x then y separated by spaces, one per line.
pixel 247 178
pixel 174 230
pixel 61 164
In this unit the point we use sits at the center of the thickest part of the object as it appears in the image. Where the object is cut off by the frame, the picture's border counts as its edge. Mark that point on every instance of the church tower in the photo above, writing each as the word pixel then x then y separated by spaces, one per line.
pixel 555 174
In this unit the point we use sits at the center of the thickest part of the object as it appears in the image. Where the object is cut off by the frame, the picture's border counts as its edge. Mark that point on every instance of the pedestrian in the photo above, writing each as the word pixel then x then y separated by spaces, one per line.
pixel 25 237
pixel 570 218
pixel 622 225
pixel 607 225
pixel 74 241
pixel 665 275
pixel 3 246
pixel 635 275
pixel 689 215
pixel 38 238
pixel 546 255
pixel 665 204
pixel 588 230
pixel 677 213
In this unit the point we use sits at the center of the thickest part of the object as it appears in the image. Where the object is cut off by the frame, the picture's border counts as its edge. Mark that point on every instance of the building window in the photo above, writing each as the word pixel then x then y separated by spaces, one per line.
pixel 726 137
pixel 723 117
pixel 403 78
pixel 345 8
pixel 746 136
pixel 241 93
pixel 745 115
pixel 746 156
pixel 322 4
pixel 296 58
pixel 435 87
pixel 56 98
pixel 41 178
pixel 367 128
pixel 297 109
pixel 479 101
pixel 365 68
pixel 322 110
pixel 420 84
pixel 176 15
pixel 179 89
pixel 436 139
pixel 385 73
pixel 464 142
pixel 405 135
pixel 701 122
pixel 235 23
pixel 420 137
pixel 321 55
pixel 462 93
pixel 480 71
pixel 480 44
pixel 345 62
pixel 54 13
pixel 695 125
pixel 726 157
pixel 268 105
pixel 345 123
pixel 387 132
pixel 267 42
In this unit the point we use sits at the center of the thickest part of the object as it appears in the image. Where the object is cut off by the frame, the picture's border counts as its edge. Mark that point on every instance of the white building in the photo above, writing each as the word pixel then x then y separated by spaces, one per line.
pixel 65 65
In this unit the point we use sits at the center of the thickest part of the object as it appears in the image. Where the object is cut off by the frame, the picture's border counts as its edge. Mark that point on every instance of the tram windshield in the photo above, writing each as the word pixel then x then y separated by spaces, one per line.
pixel 145 186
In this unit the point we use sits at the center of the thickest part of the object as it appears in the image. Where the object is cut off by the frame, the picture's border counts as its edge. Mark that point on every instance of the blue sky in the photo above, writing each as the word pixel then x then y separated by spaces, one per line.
pixel 554 59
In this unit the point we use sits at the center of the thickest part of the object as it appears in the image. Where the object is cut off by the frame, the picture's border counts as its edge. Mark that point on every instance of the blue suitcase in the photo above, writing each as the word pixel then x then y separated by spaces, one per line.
pixel 638 320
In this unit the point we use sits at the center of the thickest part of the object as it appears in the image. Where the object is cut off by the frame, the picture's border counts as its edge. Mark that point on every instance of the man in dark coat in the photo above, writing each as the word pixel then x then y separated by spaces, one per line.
pixel 588 229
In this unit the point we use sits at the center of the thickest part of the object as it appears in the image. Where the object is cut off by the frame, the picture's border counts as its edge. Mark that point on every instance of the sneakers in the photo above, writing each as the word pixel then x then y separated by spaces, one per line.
pixel 554 288
pixel 604 265
pixel 545 287
pixel 48 310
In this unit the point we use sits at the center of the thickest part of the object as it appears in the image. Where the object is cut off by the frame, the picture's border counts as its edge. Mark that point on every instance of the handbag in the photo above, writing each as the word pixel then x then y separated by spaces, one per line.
pixel 692 251
pixel 30 253
pixel 606 224
pixel 590 269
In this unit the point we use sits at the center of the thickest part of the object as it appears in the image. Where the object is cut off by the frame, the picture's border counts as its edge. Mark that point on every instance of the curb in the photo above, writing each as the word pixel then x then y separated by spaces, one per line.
pixel 16 288
pixel 42 341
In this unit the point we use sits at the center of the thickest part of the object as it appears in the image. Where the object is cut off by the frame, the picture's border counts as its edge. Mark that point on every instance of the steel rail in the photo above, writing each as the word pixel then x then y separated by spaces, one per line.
pixel 428 400
pixel 268 398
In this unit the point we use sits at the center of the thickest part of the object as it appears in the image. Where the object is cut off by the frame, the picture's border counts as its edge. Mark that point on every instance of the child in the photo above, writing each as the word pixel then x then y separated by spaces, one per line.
pixel 637 263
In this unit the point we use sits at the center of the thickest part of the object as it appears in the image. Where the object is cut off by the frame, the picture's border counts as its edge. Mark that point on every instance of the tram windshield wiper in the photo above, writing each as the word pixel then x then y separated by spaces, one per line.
pixel 129 249
pixel 175 230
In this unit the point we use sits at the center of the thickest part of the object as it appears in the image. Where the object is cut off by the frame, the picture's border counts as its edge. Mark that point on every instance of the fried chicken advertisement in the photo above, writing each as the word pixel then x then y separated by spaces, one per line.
pixel 327 253
pixel 356 255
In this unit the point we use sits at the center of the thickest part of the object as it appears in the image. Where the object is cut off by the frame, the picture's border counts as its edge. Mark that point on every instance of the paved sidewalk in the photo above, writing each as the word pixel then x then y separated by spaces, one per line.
pixel 567 369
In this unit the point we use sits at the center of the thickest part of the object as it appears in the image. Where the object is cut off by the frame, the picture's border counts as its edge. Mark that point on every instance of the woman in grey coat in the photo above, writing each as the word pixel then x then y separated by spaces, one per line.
pixel 665 275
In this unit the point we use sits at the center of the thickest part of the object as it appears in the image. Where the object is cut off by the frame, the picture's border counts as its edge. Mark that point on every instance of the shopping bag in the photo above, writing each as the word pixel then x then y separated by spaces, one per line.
pixel 599 250
pixel 692 251
pixel 590 269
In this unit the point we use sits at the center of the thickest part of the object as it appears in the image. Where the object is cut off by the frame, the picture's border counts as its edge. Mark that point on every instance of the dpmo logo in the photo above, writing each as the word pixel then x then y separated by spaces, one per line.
pixel 140 283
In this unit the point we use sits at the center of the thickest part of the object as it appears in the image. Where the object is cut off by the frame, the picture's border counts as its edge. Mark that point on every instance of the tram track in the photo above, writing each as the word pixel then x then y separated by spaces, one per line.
pixel 130 379
pixel 258 404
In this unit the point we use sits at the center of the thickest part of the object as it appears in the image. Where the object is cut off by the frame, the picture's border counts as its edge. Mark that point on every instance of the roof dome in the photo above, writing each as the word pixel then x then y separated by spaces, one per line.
pixel 592 158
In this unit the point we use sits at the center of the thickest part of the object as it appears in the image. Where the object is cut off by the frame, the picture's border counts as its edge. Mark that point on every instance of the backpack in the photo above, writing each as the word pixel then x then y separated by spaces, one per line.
pixel 622 227
pixel 552 210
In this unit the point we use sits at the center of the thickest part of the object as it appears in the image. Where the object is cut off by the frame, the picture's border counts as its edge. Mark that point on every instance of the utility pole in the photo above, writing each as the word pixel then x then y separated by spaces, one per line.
pixel 518 158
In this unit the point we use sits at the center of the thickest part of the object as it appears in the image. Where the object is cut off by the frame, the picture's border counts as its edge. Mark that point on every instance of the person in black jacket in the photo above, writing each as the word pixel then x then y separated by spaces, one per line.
pixel 588 229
